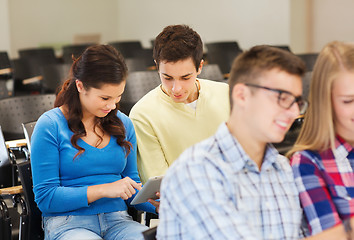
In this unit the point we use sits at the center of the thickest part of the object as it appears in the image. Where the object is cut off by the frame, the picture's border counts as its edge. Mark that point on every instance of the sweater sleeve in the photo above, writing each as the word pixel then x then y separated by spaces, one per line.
pixel 131 169
pixel 151 158
pixel 50 196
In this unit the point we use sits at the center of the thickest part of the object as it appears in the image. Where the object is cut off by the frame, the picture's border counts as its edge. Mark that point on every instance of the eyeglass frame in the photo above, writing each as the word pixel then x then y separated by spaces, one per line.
pixel 297 100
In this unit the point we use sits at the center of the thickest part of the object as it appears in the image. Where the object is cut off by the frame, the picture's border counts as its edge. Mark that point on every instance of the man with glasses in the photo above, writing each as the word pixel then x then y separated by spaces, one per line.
pixel 235 185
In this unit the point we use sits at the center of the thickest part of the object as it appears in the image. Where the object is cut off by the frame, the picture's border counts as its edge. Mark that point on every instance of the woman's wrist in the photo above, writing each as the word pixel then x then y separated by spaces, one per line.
pixel 95 192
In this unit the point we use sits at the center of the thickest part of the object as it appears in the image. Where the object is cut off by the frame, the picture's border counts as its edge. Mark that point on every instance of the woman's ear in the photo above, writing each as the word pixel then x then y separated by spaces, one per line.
pixel 79 85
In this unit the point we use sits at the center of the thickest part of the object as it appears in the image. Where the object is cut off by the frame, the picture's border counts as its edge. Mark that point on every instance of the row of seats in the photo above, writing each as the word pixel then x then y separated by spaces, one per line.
pixel 15 110
pixel 19 214
pixel 36 68
pixel 35 76
pixel 138 82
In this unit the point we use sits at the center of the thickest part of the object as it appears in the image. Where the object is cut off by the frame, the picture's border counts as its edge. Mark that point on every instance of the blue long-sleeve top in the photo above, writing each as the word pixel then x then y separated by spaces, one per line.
pixel 60 182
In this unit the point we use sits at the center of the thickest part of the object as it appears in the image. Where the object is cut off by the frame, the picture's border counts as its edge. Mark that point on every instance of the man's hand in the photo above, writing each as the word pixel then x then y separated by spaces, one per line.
pixel 155 203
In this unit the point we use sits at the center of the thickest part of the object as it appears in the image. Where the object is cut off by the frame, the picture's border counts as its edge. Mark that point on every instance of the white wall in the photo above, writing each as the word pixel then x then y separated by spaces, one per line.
pixel 300 25
pixel 249 22
pixel 32 23
pixel 4 26
pixel 332 20
pixel 38 22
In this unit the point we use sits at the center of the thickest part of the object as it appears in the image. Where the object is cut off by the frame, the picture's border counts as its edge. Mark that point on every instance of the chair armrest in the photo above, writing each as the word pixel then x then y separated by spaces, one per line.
pixel 11 190
pixel 16 143
pixel 149 216
pixel 32 80
pixel 5 71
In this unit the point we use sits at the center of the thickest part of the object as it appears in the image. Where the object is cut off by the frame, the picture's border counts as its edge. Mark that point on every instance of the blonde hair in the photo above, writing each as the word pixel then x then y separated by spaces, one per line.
pixel 317 132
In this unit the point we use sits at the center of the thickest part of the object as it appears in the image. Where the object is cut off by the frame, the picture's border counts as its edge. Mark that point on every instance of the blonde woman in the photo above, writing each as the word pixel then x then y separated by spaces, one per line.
pixel 323 155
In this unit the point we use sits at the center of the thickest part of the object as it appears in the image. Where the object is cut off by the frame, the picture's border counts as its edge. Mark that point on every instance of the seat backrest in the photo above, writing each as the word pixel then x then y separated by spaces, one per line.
pixel 127 48
pixel 309 59
pixel 224 45
pixel 36 58
pixel 306 82
pixel 17 110
pixel 25 68
pixel 28 130
pixel 75 49
pixel 4 92
pixel 136 64
pixel 138 84
pixel 4 155
pixel 5 64
pixel 145 54
pixel 4 60
pixel 211 72
pixel 45 55
pixel 223 54
pixel 33 230
pixel 21 69
pixel 6 177
pixel 53 76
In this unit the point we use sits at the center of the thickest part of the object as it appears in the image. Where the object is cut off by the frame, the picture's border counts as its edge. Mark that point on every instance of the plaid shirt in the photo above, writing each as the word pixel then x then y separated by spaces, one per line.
pixel 326 184
pixel 215 191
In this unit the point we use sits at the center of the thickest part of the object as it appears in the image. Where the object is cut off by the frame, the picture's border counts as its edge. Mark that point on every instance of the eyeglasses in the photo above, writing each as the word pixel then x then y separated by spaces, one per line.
pixel 285 99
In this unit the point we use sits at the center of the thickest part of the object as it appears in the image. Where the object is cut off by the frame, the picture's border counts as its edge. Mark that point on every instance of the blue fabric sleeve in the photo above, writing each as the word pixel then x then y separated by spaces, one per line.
pixel 131 169
pixel 49 195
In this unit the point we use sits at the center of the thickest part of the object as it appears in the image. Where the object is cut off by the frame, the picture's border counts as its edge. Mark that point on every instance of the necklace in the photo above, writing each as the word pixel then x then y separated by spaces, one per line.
pixel 198 87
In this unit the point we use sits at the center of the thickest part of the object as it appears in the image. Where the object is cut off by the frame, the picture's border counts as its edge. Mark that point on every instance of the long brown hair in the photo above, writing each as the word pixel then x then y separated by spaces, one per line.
pixel 98 65
pixel 318 132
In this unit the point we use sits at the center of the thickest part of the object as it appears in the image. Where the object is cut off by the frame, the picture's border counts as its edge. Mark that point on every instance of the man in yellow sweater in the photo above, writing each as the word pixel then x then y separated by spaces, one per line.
pixel 183 110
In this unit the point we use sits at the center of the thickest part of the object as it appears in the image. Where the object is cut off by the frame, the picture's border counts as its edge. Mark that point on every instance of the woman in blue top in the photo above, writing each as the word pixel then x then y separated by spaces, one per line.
pixel 84 154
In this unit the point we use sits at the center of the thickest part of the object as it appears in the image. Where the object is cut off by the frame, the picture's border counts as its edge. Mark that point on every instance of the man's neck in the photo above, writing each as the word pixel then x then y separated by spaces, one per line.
pixel 254 149
pixel 195 95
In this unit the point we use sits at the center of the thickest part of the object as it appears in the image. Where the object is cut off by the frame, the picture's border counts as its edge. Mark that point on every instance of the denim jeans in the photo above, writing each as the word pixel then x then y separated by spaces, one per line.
pixel 108 226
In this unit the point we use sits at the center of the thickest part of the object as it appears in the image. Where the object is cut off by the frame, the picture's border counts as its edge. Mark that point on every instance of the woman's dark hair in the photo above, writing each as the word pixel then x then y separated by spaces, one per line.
pixel 98 65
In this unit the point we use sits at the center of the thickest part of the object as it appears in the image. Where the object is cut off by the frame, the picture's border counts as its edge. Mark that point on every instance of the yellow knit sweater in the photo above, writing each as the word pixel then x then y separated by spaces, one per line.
pixel 164 129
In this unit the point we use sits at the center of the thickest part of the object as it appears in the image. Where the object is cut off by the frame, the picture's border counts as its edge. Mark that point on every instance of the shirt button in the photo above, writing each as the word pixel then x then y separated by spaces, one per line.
pixel 348 198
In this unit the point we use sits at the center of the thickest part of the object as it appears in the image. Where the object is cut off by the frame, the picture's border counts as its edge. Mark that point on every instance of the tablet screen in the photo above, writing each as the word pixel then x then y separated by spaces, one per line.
pixel 148 191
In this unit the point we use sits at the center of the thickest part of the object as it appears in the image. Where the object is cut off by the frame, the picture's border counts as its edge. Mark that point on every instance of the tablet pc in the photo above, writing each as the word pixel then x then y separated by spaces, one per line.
pixel 148 191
